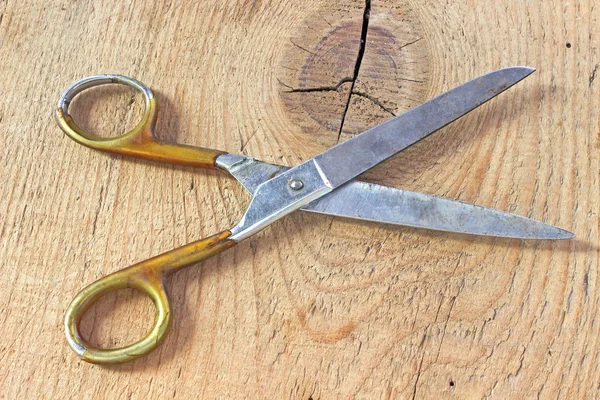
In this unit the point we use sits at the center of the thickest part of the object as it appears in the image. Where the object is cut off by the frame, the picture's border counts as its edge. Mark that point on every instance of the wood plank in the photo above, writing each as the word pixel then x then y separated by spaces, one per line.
pixel 313 307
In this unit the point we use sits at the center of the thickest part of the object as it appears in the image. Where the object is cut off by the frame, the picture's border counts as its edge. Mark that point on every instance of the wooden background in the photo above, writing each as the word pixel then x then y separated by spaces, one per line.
pixel 313 307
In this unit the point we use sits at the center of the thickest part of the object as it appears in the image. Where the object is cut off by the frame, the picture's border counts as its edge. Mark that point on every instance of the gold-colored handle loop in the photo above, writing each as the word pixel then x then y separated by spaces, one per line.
pixel 141 133
pixel 147 277
pixel 140 141
pixel 133 277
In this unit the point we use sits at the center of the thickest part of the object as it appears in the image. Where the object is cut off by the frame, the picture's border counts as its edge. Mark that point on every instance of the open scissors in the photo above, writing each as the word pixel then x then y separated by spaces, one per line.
pixel 323 184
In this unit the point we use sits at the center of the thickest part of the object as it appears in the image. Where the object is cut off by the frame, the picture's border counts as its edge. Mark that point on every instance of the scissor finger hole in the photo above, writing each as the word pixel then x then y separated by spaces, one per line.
pixel 80 133
pixel 108 110
pixel 118 319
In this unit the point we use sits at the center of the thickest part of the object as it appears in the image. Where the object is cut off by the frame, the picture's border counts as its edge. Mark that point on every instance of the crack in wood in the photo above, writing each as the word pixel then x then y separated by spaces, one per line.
pixel 100 200
pixel 359 57
pixel 302 48
pixel 593 75
pixel 375 101
pixel 318 88
pixel 335 88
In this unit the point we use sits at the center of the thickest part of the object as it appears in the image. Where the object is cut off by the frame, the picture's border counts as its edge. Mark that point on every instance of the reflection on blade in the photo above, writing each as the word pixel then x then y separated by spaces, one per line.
pixel 371 202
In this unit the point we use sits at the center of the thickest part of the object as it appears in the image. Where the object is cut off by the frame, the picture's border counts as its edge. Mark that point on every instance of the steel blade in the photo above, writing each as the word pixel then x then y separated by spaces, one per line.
pixel 320 175
pixel 351 158
pixel 382 204
pixel 371 202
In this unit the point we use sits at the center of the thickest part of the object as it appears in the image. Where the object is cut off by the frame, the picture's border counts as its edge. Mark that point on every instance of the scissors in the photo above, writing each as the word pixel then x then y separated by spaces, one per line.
pixel 324 184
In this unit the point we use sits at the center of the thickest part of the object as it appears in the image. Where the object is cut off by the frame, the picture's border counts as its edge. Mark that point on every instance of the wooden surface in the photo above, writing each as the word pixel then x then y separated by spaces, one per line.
pixel 313 307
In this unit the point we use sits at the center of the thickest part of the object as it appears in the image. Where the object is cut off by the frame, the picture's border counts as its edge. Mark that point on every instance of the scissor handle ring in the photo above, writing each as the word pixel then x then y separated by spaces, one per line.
pixel 138 277
pixel 146 276
pixel 143 131
pixel 140 141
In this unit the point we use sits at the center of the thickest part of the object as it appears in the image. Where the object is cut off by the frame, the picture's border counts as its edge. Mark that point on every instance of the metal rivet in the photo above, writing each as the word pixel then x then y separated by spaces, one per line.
pixel 296 184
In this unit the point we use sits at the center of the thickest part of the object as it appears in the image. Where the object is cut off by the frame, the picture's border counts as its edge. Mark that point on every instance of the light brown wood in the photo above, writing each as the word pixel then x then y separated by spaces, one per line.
pixel 313 307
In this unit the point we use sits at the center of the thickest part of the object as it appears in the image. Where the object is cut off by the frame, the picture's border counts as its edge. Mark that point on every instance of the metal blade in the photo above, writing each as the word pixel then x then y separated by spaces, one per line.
pixel 371 202
pixel 351 158
pixel 320 175
pixel 382 204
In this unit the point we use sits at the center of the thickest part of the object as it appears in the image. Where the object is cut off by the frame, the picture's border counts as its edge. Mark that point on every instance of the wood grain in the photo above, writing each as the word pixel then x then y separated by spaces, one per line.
pixel 313 307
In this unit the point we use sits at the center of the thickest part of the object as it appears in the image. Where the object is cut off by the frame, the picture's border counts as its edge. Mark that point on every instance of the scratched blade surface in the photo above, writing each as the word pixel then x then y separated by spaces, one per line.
pixel 329 170
pixel 371 202
pixel 347 160
pixel 382 204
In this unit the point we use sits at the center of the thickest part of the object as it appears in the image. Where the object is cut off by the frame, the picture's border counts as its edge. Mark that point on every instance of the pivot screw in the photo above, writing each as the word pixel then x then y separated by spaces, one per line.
pixel 296 184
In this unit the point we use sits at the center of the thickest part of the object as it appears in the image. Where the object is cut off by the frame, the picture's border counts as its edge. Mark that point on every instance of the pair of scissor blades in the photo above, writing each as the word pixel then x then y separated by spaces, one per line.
pixel 324 184
pixel 336 167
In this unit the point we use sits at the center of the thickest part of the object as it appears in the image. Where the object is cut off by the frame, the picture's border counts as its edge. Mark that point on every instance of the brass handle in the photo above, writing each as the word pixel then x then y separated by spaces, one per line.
pixel 140 141
pixel 146 276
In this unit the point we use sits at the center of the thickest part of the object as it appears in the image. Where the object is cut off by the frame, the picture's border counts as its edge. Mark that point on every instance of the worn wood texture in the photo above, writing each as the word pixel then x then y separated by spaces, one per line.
pixel 313 307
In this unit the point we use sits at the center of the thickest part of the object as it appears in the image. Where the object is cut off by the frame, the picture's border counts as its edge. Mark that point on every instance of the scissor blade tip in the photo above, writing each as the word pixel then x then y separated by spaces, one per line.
pixel 528 70
pixel 566 235
pixel 521 70
pixel 557 234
